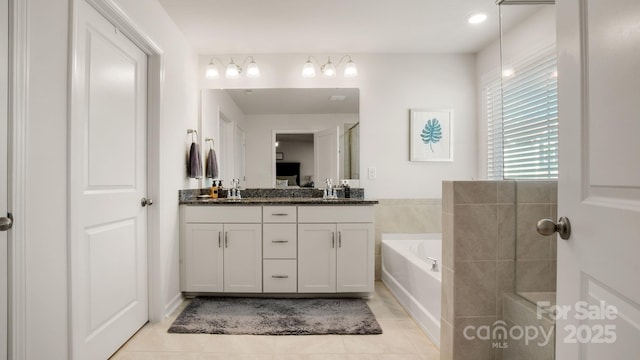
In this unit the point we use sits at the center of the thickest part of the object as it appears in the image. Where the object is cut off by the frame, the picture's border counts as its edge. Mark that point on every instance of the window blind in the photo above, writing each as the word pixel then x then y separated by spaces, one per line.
pixel 522 120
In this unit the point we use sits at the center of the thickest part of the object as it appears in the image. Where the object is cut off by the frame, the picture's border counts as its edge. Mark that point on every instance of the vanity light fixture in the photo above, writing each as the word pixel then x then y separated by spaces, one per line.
pixel 328 69
pixel 232 70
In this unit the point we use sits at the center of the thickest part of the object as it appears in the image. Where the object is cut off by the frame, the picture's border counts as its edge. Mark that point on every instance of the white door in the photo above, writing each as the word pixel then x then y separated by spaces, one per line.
pixel 225 156
pixel 202 263
pixel 4 86
pixel 108 163
pixel 317 258
pixel 239 154
pixel 326 155
pixel 243 258
pixel 599 185
pixel 355 258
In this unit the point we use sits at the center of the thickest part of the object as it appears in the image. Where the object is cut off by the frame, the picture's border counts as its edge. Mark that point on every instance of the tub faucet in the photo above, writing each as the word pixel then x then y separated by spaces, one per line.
pixel 434 266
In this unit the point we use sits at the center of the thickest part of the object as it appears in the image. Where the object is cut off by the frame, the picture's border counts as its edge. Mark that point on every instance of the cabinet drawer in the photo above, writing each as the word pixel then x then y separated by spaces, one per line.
pixel 335 214
pixel 222 214
pixel 279 241
pixel 279 214
pixel 280 276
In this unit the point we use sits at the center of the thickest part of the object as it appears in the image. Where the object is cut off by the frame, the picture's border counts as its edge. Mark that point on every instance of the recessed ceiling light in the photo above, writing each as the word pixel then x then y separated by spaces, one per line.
pixel 477 18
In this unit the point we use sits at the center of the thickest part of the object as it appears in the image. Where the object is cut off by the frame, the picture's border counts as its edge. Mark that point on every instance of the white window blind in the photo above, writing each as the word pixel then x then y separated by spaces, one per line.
pixel 523 123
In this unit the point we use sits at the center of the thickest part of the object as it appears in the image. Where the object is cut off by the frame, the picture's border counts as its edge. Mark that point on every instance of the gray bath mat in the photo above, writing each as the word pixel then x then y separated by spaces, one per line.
pixel 264 316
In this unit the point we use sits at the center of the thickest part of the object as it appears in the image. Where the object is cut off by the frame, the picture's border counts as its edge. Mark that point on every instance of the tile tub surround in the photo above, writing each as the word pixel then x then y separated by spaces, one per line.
pixel 481 222
pixel 406 216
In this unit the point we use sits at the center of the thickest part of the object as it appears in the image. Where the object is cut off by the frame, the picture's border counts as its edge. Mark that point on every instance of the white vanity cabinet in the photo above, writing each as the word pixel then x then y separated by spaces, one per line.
pixel 279 245
pixel 221 249
pixel 335 249
pixel 277 248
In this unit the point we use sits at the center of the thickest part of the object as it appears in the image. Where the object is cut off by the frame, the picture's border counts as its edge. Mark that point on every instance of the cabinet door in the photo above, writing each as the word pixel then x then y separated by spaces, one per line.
pixel 242 257
pixel 316 258
pixel 202 262
pixel 355 258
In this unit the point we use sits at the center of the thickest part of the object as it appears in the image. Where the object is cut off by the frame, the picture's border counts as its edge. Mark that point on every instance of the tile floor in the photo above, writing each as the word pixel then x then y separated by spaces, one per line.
pixel 401 340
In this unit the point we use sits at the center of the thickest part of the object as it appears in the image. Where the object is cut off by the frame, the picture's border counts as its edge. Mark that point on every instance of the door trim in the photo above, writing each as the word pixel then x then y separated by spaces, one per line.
pixel 155 83
pixel 17 120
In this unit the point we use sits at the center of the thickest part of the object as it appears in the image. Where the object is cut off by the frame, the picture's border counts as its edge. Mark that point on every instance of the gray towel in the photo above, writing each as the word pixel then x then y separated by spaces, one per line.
pixel 212 164
pixel 194 164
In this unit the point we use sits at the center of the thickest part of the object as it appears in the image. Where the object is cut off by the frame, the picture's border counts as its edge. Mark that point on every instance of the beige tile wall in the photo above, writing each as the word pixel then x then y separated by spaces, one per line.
pixel 536 254
pixel 478 252
pixel 481 222
pixel 406 216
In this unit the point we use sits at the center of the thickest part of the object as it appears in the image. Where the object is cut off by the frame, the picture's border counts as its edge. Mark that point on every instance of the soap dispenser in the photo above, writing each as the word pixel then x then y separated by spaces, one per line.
pixel 347 189
pixel 214 189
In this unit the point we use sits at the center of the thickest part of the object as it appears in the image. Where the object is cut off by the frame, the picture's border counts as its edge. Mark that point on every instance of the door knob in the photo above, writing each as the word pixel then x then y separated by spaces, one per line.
pixel 146 202
pixel 548 227
pixel 6 222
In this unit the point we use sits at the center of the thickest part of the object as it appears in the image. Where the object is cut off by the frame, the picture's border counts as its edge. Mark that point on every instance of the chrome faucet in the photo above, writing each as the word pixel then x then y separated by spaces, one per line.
pixel 434 266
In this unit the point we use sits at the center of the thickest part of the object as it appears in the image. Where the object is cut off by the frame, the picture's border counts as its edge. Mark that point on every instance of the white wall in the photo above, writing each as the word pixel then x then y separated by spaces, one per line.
pixel 215 103
pixel 390 85
pixel 259 140
pixel 535 33
pixel 47 167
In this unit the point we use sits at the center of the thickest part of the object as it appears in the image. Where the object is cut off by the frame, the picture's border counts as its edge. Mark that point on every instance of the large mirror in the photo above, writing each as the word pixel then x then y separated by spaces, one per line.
pixel 283 137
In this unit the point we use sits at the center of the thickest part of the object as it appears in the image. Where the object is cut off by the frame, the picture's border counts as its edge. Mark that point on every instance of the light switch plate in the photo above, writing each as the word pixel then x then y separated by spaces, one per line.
pixel 372 173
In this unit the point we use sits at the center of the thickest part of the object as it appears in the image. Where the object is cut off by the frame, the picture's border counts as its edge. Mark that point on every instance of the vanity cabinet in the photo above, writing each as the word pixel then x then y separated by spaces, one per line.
pixel 221 249
pixel 277 249
pixel 335 249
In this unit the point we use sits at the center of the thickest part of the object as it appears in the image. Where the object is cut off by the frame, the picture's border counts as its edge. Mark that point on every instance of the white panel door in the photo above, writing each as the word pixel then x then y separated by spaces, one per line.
pixel 243 257
pixel 355 258
pixel 203 262
pixel 108 164
pixel 239 154
pixel 326 155
pixel 4 100
pixel 317 258
pixel 599 184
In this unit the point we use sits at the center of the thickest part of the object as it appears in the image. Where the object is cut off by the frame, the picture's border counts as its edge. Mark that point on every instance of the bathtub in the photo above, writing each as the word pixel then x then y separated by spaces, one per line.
pixel 408 275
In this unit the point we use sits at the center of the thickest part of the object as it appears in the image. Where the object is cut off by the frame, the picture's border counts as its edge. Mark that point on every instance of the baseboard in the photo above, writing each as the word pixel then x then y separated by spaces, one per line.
pixel 173 304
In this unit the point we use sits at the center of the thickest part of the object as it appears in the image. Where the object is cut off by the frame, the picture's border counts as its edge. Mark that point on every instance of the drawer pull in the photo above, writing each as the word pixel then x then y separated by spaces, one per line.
pixel 339 239
pixel 280 241
pixel 333 240
pixel 280 214
pixel 280 276
pixel 220 239
pixel 226 239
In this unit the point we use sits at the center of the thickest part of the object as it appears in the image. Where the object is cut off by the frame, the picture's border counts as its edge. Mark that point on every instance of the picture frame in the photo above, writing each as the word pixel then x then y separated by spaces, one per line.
pixel 431 134
pixel 279 156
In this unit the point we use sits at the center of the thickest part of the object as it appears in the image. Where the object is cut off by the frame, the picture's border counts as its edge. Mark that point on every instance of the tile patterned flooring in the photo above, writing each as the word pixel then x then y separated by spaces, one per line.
pixel 401 340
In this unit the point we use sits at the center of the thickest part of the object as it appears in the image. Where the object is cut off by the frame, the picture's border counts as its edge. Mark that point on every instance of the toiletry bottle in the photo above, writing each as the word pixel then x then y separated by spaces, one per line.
pixel 347 190
pixel 214 189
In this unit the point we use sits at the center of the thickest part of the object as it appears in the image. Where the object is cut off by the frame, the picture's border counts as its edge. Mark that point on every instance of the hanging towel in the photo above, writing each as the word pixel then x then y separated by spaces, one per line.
pixel 194 164
pixel 212 165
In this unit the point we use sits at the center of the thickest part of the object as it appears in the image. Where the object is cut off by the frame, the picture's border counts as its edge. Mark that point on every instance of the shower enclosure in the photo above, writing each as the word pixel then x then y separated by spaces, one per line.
pixel 526 129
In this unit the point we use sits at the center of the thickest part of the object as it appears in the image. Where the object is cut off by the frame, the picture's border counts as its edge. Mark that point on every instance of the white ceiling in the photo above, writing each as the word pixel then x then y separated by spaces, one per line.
pixel 295 101
pixel 336 26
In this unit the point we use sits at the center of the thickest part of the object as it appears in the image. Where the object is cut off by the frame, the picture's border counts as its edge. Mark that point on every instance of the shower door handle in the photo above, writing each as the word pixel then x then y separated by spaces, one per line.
pixel 548 227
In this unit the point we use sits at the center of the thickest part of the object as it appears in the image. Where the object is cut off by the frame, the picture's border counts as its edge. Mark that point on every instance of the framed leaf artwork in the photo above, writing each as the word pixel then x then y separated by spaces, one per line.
pixel 431 135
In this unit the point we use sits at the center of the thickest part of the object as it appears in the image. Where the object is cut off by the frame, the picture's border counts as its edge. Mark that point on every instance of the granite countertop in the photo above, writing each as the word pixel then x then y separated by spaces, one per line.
pixel 277 201
pixel 267 196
